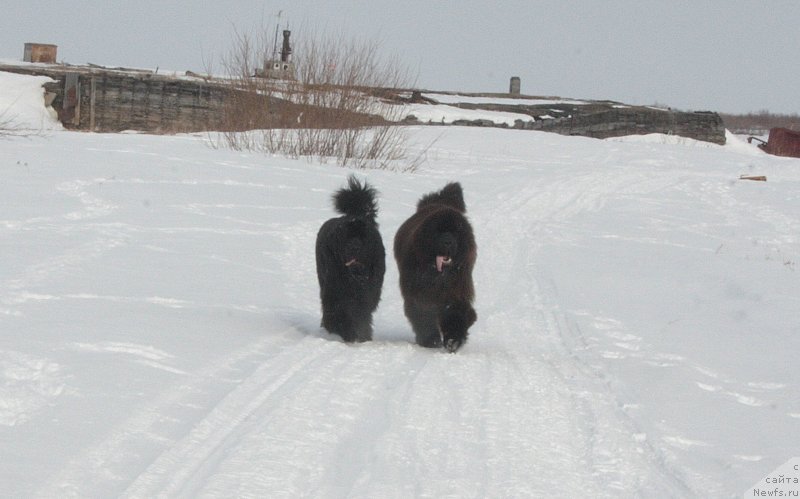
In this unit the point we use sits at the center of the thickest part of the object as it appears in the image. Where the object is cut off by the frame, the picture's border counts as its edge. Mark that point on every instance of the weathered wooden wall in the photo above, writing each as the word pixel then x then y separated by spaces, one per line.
pixel 703 126
pixel 107 100
pixel 610 119
pixel 114 102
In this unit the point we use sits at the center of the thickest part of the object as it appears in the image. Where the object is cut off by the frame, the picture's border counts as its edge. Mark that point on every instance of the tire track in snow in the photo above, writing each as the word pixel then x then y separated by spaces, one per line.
pixel 301 434
pixel 591 443
pixel 428 427
pixel 326 437
pixel 176 468
pixel 106 466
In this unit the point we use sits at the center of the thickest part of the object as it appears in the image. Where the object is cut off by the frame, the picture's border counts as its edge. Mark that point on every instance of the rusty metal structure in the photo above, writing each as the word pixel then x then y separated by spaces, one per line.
pixel 40 52
pixel 286 49
pixel 781 142
pixel 279 68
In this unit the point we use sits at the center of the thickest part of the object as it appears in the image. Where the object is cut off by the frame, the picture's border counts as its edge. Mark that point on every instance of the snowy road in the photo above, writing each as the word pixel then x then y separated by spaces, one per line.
pixel 159 311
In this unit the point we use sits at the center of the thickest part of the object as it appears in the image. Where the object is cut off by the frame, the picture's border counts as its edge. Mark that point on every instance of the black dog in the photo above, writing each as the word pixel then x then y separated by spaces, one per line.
pixel 351 261
pixel 435 252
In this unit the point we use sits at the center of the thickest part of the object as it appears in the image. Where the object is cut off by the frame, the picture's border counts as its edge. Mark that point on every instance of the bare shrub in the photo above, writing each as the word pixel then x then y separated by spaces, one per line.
pixel 333 108
pixel 759 123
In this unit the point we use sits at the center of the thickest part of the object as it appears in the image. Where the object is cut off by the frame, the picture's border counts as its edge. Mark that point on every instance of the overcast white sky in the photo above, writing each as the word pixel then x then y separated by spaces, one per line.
pixel 720 55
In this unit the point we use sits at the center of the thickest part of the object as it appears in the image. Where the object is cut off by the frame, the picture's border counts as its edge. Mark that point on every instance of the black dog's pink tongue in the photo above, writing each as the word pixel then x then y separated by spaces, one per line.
pixel 440 263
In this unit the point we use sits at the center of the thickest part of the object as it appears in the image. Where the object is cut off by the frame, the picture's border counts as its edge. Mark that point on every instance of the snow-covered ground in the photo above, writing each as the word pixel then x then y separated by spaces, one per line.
pixel 637 331
pixel 511 101
pixel 445 115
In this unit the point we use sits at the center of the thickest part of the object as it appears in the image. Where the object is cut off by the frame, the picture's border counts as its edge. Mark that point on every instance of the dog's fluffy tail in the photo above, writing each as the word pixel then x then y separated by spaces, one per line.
pixel 356 200
pixel 451 195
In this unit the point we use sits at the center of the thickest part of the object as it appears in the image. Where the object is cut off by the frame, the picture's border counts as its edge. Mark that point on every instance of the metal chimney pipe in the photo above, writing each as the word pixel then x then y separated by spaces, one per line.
pixel 286 50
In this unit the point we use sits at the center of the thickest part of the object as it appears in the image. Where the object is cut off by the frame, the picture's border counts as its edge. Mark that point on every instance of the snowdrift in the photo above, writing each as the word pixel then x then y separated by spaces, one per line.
pixel 637 331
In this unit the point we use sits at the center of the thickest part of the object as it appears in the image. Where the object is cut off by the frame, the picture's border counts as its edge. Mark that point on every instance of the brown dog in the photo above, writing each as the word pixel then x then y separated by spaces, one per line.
pixel 435 252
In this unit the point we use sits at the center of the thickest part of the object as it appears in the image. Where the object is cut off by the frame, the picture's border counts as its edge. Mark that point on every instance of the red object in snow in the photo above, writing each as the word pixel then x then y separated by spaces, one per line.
pixel 783 142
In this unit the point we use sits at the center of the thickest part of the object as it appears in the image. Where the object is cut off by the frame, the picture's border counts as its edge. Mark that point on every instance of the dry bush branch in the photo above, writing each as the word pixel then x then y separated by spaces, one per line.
pixel 759 123
pixel 332 109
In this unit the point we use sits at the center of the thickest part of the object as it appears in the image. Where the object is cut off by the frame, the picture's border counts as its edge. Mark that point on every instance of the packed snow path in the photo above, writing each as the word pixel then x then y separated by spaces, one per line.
pixel 159 309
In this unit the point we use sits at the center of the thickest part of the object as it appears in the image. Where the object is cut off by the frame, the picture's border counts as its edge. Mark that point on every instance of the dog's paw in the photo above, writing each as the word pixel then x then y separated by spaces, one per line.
pixel 430 341
pixel 454 323
pixel 453 344
pixel 363 337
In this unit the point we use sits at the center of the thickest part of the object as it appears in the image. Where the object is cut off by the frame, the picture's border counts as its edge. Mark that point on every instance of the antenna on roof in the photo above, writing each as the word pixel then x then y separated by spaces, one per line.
pixel 275 39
